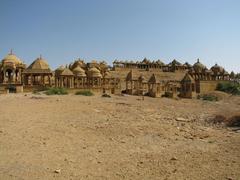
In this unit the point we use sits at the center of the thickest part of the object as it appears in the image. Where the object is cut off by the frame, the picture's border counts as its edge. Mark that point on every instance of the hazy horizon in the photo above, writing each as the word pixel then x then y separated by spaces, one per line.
pixel 62 31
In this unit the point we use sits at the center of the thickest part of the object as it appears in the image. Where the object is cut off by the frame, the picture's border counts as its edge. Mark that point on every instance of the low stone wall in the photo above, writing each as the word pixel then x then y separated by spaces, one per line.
pixel 3 90
pixel 19 89
pixel 207 86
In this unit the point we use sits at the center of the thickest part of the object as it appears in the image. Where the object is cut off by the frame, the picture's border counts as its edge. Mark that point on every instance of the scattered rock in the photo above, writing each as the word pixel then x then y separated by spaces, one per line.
pixel 106 95
pixel 182 119
pixel 96 110
pixel 37 97
pixel 57 171
pixel 173 159
pixel 203 136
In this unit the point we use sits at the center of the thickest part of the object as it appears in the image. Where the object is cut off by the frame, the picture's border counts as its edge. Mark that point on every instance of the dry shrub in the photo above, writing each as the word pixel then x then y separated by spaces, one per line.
pixel 84 93
pixel 233 121
pixel 218 119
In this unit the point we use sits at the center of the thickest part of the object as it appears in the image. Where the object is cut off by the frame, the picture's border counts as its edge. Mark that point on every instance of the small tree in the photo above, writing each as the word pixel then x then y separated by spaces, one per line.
pixel 232 75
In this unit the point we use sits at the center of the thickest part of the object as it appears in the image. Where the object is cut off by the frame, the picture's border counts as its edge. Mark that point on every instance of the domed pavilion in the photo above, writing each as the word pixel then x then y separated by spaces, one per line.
pixel 80 77
pixel 11 68
pixel 219 72
pixel 38 73
pixel 200 72
pixel 64 77
pixel 94 77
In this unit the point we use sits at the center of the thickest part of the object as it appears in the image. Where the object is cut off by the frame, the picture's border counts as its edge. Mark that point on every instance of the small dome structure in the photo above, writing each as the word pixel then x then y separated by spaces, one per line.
pixel 217 69
pixel 94 72
pixel 175 63
pixel 198 66
pixel 76 63
pixel 94 62
pixel 107 75
pixel 78 71
pixel 186 64
pixel 12 58
pixel 39 66
pixel 59 70
pixel 39 63
pixel 66 72
pixel 160 62
pixel 145 61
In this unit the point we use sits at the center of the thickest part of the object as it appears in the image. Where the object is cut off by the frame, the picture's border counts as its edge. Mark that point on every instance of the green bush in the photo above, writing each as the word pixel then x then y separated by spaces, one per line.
pixel 229 87
pixel 209 98
pixel 84 93
pixel 56 91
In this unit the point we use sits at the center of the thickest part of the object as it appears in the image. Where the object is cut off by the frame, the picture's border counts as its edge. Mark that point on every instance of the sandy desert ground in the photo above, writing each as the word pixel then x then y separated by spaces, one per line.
pixel 123 137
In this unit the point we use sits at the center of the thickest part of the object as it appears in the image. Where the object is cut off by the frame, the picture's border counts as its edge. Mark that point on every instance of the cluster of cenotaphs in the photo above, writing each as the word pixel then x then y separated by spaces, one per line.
pixel 153 78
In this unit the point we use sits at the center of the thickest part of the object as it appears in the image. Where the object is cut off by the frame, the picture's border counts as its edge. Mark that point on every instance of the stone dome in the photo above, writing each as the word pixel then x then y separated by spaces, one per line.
pixel 160 62
pixel 12 58
pixel 217 69
pixel 94 62
pixel 94 72
pixel 78 71
pixel 39 63
pixel 66 72
pixel 145 61
pixel 186 64
pixel 198 66
pixel 107 75
pixel 175 63
pixel 59 70
pixel 76 63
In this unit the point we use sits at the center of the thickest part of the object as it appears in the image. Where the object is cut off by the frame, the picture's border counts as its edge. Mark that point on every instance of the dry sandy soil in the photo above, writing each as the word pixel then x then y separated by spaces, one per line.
pixel 123 137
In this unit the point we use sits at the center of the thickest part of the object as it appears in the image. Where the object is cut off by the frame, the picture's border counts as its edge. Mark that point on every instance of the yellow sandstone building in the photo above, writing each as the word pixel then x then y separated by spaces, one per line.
pixel 152 78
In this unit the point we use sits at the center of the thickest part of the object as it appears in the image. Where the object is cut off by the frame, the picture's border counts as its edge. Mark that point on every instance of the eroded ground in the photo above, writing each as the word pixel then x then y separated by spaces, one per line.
pixel 115 138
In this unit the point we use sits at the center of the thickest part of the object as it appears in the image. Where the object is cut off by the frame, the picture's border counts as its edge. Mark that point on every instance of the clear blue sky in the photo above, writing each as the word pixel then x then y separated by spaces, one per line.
pixel 62 30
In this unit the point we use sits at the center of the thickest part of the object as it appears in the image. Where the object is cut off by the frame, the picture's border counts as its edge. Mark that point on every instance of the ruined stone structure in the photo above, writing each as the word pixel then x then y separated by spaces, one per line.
pixel 152 78
pixel 148 65
pixel 172 80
